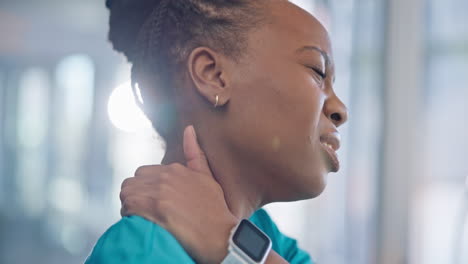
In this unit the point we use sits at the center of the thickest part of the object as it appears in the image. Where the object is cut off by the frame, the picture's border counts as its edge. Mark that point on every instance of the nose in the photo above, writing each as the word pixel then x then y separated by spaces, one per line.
pixel 336 110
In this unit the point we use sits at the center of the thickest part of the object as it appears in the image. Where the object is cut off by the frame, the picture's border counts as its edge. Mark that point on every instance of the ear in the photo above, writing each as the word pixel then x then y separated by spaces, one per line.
pixel 208 70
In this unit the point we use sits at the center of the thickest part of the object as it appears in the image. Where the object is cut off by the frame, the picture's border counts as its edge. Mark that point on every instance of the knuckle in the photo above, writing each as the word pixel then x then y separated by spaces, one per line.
pixel 125 193
pixel 163 190
pixel 148 170
pixel 176 166
pixel 122 195
pixel 141 170
pixel 126 183
pixel 164 178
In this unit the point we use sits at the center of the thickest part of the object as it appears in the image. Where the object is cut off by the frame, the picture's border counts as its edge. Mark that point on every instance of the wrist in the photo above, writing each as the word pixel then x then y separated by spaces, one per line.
pixel 221 243
pixel 248 244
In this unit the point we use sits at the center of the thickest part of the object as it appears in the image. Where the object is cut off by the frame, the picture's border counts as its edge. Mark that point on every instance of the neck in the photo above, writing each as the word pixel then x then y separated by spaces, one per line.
pixel 242 194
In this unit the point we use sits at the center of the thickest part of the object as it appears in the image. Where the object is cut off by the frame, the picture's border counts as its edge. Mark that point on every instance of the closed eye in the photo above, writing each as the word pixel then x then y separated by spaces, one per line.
pixel 319 72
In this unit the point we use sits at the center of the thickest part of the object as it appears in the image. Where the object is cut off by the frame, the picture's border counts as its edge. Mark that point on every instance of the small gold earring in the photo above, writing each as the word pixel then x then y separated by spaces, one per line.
pixel 217 101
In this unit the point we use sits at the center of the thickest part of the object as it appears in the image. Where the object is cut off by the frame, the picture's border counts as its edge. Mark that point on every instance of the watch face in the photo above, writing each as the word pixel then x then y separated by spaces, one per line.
pixel 251 240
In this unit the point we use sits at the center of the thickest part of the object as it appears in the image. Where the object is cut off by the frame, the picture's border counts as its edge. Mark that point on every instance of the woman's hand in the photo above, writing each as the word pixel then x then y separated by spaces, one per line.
pixel 185 200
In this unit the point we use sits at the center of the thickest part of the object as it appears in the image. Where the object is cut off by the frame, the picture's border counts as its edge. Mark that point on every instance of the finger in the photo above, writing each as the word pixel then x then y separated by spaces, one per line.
pixel 126 210
pixel 130 207
pixel 133 191
pixel 149 170
pixel 144 206
pixel 136 204
pixel 142 180
pixel 127 182
pixel 149 185
pixel 194 155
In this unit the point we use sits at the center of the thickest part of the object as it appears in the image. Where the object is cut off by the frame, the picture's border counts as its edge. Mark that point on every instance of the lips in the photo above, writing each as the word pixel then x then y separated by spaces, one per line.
pixel 331 143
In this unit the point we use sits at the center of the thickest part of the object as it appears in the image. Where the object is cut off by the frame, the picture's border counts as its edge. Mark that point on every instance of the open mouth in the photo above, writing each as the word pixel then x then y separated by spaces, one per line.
pixel 331 143
pixel 334 162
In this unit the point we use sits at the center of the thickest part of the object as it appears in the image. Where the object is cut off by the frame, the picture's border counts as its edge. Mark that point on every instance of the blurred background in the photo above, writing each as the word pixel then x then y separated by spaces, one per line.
pixel 70 133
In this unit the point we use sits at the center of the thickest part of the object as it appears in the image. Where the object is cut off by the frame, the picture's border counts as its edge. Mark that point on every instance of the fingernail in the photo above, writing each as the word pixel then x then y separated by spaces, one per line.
pixel 193 131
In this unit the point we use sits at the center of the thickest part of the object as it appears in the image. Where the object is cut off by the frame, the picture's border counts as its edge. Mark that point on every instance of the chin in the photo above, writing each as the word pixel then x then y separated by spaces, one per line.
pixel 312 187
pixel 316 187
pixel 305 180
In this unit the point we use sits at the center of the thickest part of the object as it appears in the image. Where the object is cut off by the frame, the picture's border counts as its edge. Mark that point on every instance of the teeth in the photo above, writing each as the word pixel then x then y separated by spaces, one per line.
pixel 328 145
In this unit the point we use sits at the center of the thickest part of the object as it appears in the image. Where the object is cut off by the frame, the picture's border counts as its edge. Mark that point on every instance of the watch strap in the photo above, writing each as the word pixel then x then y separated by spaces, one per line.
pixel 233 258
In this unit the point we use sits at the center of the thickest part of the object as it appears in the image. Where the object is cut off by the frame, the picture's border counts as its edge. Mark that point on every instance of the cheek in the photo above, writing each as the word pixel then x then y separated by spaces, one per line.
pixel 274 122
pixel 282 110
pixel 298 103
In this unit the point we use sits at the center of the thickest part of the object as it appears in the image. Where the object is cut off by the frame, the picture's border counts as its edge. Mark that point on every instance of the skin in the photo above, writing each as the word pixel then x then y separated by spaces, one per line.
pixel 261 144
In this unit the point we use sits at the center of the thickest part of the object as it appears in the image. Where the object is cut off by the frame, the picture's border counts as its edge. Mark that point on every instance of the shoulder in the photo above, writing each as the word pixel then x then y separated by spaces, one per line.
pixel 136 240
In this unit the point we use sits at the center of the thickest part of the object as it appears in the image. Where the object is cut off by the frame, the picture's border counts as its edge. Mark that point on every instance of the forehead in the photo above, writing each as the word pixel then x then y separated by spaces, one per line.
pixel 294 27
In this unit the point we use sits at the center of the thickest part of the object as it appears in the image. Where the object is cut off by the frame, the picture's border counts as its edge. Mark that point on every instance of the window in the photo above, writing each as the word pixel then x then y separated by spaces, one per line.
pixel 438 224
pixel 32 125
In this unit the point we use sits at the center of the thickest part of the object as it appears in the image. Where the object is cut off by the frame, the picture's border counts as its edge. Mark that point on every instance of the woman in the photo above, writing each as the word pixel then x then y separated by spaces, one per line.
pixel 242 93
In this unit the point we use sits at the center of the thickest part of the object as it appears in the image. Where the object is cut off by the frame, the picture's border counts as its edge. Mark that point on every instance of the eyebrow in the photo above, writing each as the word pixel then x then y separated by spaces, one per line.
pixel 314 48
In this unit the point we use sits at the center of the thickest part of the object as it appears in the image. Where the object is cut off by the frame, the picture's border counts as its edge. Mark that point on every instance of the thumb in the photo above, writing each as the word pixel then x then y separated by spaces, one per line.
pixel 194 155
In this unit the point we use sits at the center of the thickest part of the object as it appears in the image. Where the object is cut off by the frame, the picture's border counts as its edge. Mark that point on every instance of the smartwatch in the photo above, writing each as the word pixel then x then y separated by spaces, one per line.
pixel 247 245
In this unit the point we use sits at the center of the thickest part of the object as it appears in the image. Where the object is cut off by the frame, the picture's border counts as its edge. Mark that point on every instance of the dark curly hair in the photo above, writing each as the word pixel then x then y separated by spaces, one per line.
pixel 157 37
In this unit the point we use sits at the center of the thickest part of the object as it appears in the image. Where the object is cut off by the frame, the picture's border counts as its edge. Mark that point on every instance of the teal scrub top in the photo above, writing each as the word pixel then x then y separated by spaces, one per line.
pixel 135 240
